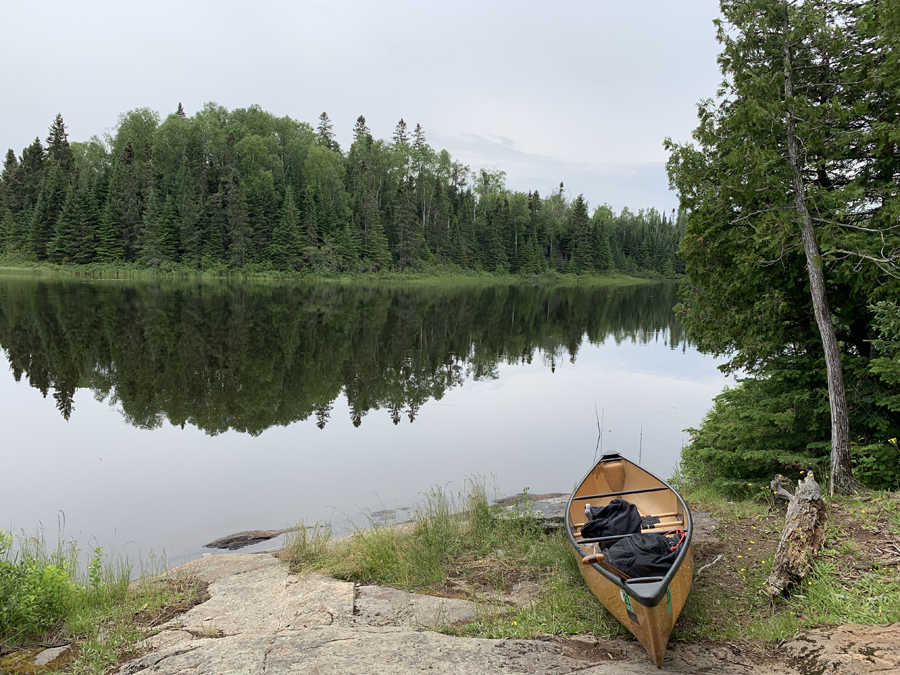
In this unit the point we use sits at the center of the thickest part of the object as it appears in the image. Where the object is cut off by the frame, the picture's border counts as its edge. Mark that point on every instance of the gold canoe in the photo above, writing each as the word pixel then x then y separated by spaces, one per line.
pixel 647 606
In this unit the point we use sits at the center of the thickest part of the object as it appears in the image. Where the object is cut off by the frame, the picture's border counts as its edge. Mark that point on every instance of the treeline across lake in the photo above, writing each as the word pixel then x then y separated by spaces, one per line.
pixel 246 357
pixel 243 189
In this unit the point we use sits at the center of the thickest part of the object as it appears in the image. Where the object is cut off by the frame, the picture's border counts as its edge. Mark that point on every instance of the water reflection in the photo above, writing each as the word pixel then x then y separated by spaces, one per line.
pixel 251 356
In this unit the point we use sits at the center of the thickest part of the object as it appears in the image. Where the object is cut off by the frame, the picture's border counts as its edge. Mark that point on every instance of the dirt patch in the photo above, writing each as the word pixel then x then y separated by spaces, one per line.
pixel 503 580
pixel 191 592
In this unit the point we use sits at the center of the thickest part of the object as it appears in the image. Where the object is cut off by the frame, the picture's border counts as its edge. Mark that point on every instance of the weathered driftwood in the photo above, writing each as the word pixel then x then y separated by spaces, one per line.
pixel 802 537
pixel 781 488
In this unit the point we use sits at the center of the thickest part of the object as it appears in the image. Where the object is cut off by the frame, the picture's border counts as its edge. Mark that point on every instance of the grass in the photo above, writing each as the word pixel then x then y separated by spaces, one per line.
pixel 465 547
pixel 434 274
pixel 50 597
pixel 524 581
pixel 847 582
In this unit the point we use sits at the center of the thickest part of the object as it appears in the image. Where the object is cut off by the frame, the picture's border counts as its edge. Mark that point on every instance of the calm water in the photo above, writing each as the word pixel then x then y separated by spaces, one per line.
pixel 160 416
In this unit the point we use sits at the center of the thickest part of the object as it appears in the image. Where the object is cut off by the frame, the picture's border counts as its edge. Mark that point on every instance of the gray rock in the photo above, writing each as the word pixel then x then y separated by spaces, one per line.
pixel 550 508
pixel 49 655
pixel 383 606
pixel 235 541
pixel 265 600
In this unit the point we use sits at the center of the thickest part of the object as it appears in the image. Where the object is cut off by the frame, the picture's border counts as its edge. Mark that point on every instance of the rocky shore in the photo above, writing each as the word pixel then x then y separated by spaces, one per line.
pixel 262 620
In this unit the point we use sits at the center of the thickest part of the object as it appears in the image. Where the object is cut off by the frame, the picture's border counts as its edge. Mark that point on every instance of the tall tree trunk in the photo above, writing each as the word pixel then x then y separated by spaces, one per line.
pixel 841 477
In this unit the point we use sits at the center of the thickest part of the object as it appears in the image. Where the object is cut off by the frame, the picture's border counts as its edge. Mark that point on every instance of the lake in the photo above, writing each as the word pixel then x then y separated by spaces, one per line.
pixel 158 416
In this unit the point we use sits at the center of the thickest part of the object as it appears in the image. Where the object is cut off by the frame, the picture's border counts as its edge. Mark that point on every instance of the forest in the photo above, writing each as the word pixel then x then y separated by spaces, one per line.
pixel 251 355
pixel 245 190
pixel 792 244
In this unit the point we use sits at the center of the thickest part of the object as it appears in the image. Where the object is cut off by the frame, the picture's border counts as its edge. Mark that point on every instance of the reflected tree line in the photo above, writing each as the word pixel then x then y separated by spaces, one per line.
pixel 251 356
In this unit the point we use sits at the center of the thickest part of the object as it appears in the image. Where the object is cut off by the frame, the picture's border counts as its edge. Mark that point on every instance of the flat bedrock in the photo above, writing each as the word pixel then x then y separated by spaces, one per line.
pixel 262 620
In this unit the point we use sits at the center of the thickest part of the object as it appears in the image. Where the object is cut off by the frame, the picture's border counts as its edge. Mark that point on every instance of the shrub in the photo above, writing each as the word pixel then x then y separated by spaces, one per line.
pixel 34 595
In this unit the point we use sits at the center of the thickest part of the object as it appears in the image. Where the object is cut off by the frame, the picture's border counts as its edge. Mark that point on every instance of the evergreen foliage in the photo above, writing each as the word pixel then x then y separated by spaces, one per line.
pixel 762 217
pixel 212 191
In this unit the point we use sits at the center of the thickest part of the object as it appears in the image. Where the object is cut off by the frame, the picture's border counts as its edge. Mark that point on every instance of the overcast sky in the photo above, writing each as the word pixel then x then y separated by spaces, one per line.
pixel 579 91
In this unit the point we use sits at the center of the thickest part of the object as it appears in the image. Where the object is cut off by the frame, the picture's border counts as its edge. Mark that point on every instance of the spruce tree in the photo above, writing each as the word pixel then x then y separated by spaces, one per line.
pixel 375 249
pixel 61 248
pixel 401 135
pixel 235 207
pixel 361 132
pixel 58 149
pixel 583 253
pixel 180 112
pixel 325 132
pixel 169 238
pixel 32 176
pixel 410 244
pixel 110 248
pixel 52 198
pixel 285 246
pixel 188 217
pixel 126 203
pixel 9 183
pixel 310 221
pixel 148 241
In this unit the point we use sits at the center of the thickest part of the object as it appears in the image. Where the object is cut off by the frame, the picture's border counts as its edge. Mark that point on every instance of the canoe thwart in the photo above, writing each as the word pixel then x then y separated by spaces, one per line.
pixel 594 558
pixel 619 494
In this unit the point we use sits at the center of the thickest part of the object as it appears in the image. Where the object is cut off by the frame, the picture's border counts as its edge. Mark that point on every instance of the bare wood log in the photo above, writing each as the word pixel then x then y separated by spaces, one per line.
pixel 780 487
pixel 801 539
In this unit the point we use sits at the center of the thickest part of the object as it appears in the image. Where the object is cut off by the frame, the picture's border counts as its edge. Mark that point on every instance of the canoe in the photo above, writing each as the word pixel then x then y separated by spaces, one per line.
pixel 646 606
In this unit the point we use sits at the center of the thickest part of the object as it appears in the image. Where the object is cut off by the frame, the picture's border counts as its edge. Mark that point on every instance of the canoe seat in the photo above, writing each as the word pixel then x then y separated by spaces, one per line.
pixel 619 494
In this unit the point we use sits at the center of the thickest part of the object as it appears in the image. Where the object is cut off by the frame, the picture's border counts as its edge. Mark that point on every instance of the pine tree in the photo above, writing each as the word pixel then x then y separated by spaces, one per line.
pixel 180 112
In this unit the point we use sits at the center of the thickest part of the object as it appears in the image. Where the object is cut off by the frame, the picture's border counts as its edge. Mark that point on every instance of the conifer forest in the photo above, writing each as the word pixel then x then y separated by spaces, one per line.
pixel 246 190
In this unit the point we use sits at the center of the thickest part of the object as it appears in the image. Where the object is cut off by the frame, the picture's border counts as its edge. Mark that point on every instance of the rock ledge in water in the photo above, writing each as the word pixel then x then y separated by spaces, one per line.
pixel 235 541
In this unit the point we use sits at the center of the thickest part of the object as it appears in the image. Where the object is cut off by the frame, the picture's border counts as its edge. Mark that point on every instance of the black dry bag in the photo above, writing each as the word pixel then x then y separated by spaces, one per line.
pixel 645 555
pixel 617 517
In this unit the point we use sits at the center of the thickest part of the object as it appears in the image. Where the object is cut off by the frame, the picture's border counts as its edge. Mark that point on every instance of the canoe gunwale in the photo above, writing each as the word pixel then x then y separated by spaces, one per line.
pixel 657 585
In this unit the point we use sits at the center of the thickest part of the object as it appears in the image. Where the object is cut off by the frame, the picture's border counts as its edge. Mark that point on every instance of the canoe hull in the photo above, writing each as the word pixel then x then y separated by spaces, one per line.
pixel 650 625
pixel 648 606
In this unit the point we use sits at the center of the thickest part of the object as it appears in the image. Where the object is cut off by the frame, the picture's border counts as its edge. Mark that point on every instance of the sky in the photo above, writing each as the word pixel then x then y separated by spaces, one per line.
pixel 574 91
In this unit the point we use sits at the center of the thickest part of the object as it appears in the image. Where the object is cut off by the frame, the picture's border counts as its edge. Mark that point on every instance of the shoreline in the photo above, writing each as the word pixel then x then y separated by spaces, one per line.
pixel 135 273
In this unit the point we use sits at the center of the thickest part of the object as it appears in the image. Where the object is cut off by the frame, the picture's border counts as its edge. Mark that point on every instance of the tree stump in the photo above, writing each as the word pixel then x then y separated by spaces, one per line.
pixel 780 487
pixel 802 537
